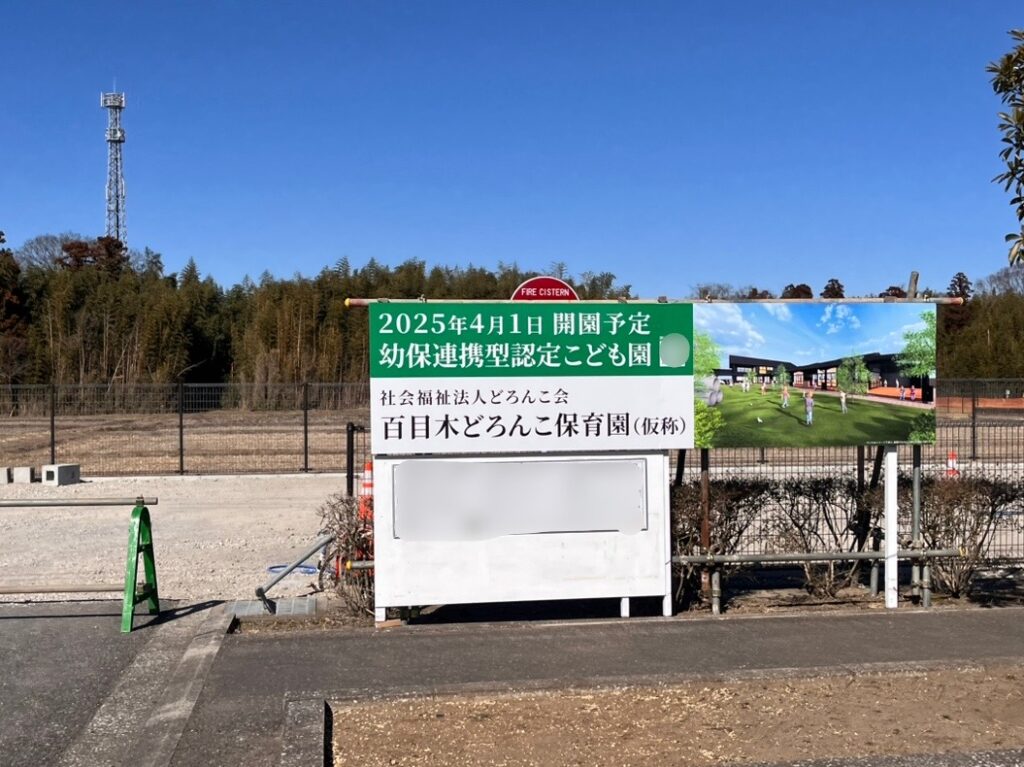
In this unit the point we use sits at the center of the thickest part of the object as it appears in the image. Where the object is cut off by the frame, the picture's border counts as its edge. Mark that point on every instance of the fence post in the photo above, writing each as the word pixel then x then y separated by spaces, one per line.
pixel 915 524
pixel 53 423
pixel 305 425
pixel 974 420
pixel 181 426
pixel 350 459
pixel 863 513
pixel 705 517
pixel 680 467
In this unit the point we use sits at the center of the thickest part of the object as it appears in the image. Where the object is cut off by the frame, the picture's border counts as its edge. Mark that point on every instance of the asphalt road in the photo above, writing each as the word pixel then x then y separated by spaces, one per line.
pixel 58 663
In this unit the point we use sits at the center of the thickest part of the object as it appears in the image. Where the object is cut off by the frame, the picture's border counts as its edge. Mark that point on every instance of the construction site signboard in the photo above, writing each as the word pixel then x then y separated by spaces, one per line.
pixel 522 377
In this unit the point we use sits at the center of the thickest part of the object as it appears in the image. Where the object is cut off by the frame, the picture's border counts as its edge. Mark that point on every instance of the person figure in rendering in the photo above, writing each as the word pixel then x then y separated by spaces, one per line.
pixel 913 392
pixel 809 407
pixel 764 388
pixel 903 392
pixel 785 396
pixel 842 400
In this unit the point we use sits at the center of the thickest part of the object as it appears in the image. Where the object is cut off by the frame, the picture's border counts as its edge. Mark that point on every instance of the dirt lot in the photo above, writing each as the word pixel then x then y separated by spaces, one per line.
pixel 757 720
pixel 214 536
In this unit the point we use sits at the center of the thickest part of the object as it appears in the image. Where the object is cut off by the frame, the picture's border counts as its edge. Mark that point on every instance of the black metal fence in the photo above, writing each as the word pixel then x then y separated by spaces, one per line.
pixel 182 428
pixel 810 500
pixel 114 429
pixel 321 427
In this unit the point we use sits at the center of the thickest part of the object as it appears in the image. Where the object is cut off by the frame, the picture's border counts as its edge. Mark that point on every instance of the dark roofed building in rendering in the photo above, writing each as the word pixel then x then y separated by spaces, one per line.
pixel 883 369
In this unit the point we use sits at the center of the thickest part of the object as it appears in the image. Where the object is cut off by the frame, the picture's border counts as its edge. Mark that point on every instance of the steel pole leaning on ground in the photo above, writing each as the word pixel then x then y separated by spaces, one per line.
pixel 261 591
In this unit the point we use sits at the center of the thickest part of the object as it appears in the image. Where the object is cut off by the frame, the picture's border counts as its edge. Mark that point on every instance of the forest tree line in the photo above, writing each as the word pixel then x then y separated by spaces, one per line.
pixel 78 311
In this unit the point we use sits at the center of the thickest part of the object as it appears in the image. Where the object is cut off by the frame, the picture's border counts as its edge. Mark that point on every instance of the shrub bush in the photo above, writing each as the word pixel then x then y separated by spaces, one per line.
pixel 963 514
pixel 353 539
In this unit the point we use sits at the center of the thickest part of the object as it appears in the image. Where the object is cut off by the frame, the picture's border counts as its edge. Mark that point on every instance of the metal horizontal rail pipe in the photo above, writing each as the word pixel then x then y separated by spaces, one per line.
pixel 38 503
pixel 830 556
pixel 60 588
pixel 722 559
pixel 351 302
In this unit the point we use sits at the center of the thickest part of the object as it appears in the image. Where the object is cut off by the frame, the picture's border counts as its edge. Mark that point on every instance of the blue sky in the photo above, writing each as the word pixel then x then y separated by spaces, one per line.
pixel 670 143
pixel 807 333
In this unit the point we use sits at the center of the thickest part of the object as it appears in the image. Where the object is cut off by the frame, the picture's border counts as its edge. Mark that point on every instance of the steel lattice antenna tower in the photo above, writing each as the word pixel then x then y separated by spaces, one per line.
pixel 114 103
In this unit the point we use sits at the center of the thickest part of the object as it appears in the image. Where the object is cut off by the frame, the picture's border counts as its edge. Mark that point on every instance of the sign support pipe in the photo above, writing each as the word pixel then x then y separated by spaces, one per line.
pixel 891 529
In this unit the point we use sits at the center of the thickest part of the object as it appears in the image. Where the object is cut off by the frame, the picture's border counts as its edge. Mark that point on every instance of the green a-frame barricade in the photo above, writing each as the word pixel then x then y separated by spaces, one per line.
pixel 140 543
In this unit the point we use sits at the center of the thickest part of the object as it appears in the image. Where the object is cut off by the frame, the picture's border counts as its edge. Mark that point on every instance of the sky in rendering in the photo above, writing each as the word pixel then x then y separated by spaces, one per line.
pixel 807 333
pixel 670 143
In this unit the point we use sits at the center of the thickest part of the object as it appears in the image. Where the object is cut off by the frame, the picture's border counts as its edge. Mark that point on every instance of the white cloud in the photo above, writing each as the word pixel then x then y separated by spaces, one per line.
pixel 837 317
pixel 726 324
pixel 780 312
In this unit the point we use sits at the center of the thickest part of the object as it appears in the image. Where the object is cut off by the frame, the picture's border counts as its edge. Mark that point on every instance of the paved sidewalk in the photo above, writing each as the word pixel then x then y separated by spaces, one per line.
pixel 239 716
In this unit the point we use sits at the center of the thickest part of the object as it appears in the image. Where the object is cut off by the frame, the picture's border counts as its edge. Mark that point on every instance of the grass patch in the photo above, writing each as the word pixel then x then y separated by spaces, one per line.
pixel 865 422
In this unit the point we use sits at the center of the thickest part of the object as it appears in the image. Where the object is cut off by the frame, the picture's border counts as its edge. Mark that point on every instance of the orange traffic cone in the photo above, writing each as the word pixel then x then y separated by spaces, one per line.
pixel 951 470
pixel 366 493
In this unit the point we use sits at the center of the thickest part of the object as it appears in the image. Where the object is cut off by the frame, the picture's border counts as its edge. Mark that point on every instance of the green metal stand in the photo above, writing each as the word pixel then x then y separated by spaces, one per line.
pixel 140 542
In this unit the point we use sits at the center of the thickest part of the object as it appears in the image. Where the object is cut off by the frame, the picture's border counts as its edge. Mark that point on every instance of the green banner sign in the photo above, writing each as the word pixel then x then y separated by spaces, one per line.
pixel 460 340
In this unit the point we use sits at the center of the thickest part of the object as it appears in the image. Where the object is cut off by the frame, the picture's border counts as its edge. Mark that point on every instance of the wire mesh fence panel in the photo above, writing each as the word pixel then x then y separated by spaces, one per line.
pixel 240 428
pixel 24 425
pixel 122 430
pixel 331 408
pixel 24 401
pixel 24 442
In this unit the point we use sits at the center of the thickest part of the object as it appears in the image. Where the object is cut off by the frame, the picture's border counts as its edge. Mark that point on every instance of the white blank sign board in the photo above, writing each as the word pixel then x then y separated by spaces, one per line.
pixel 504 528
pixel 446 500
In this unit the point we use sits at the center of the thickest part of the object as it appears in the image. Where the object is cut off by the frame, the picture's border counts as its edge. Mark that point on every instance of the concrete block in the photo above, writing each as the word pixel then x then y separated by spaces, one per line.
pixel 24 475
pixel 57 474
pixel 5 475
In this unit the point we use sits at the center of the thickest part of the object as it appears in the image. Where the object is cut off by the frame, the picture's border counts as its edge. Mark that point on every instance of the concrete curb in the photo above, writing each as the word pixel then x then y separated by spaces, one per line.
pixel 288 609
pixel 158 739
pixel 104 740
pixel 306 739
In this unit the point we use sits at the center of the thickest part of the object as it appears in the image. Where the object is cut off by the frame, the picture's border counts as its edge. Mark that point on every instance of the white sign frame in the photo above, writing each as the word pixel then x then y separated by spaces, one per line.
pixel 508 568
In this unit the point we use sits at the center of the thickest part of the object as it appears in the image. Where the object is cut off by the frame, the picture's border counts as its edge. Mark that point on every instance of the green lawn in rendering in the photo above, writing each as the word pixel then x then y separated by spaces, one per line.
pixel 866 421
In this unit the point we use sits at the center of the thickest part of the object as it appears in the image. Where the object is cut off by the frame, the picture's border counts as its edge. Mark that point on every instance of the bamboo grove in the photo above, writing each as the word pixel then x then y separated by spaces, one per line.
pixel 79 311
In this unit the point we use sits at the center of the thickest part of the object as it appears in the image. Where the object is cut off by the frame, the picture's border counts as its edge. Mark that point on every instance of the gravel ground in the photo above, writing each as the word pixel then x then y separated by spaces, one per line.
pixel 214 536
pixel 756 721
